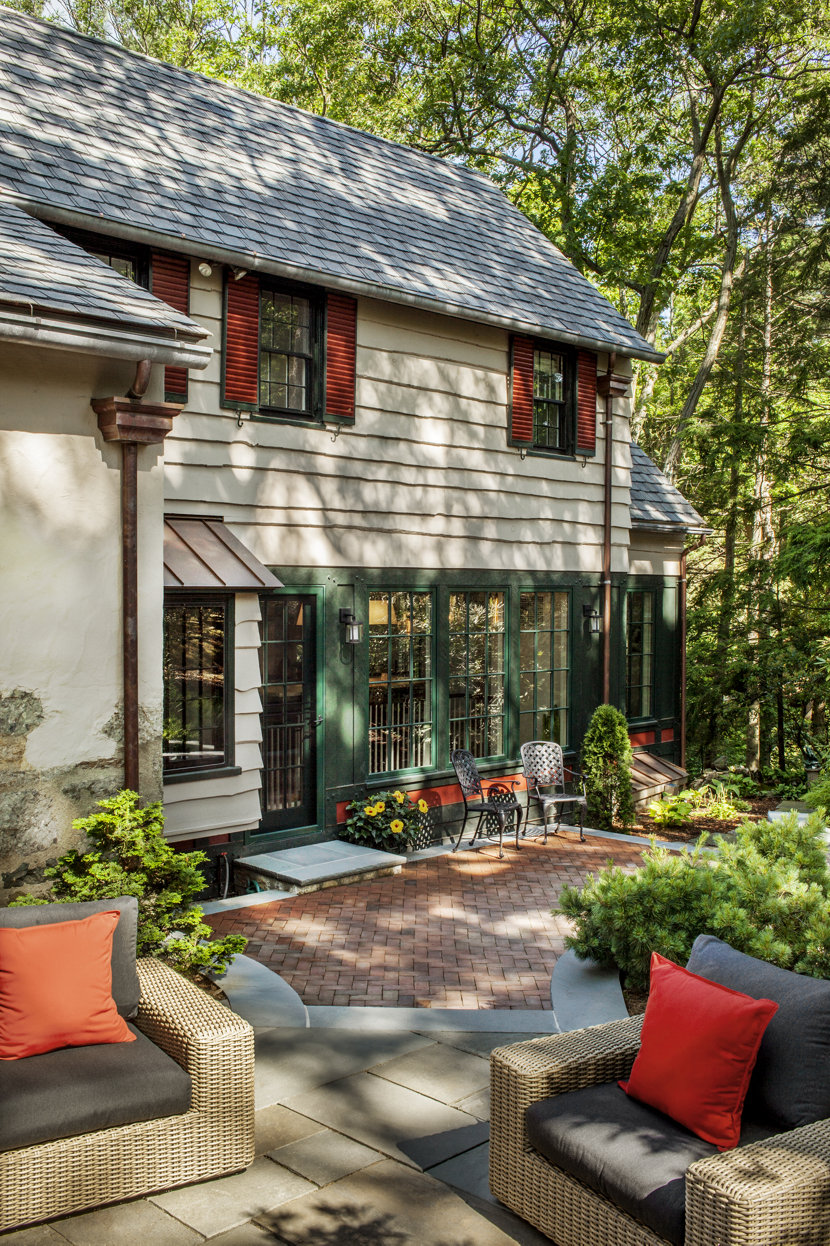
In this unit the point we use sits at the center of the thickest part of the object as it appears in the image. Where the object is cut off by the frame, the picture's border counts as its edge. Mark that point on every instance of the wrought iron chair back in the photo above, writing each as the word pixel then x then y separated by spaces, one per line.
pixel 466 771
pixel 496 804
pixel 543 764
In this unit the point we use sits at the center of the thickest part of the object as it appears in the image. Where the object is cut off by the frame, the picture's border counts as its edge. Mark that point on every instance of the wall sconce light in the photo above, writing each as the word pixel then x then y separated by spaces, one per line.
pixel 205 269
pixel 593 617
pixel 239 273
pixel 354 629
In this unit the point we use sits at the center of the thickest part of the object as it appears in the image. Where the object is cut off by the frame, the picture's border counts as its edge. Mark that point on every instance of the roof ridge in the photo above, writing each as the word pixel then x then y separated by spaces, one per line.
pixel 443 162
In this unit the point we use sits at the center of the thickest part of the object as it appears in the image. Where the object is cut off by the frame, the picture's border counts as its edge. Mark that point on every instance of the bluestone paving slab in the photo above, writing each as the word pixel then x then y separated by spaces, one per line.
pixel 481 1044
pixel 248 1234
pixel 431 1149
pixel 477 1105
pixel 292 1062
pixel 325 1157
pixel 136 1221
pixel 278 1126
pixel 468 1171
pixel 518 1231
pixel 312 863
pixel 38 1235
pixel 214 1206
pixel 261 996
pixel 381 1115
pixel 584 993
pixel 515 1021
pixel 386 1205
pixel 442 1072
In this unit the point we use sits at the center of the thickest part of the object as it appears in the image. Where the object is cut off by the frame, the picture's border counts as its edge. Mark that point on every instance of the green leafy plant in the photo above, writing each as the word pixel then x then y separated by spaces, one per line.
pixel 720 803
pixel 767 894
pixel 390 821
pixel 818 796
pixel 671 810
pixel 606 764
pixel 130 857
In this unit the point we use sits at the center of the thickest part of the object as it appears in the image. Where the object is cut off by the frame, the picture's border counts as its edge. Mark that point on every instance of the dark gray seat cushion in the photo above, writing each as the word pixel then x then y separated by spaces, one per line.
pixel 627 1152
pixel 80 1089
pixel 125 987
pixel 791 1082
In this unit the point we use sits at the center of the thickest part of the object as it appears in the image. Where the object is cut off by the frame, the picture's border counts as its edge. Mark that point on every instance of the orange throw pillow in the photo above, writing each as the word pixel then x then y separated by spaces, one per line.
pixel 56 987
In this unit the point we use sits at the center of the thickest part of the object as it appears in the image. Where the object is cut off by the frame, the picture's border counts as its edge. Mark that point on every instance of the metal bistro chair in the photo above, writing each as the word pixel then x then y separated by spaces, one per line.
pixel 545 774
pixel 497 802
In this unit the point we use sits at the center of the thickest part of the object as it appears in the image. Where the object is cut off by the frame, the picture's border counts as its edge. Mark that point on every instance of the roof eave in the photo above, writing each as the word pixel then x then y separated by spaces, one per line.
pixel 643 525
pixel 90 338
pixel 296 272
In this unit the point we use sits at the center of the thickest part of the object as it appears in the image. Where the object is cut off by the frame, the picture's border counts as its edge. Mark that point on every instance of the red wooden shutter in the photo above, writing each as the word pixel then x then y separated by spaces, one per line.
pixel 341 356
pixel 240 361
pixel 521 390
pixel 171 284
pixel 586 403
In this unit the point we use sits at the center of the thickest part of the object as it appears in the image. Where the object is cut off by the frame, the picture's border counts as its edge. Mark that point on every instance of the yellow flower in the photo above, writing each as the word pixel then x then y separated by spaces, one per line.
pixel 369 810
pixel 380 807
pixel 423 806
pixel 400 797
pixel 396 826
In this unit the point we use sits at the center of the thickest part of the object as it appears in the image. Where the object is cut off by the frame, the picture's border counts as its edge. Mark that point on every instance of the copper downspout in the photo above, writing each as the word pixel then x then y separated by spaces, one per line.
pixel 129 592
pixel 605 386
pixel 681 605
pixel 133 423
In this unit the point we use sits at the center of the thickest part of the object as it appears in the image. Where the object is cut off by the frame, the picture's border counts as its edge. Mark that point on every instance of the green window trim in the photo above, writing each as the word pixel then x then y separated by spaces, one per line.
pixel 401 681
pixel 198 714
pixel 639 653
pixel 478 718
pixel 544 665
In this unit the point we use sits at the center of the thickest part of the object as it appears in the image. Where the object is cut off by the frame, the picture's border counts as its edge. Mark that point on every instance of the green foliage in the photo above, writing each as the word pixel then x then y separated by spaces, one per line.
pixel 767 894
pixel 818 795
pixel 712 801
pixel 129 856
pixel 390 821
pixel 606 764
pixel 671 810
pixel 790 784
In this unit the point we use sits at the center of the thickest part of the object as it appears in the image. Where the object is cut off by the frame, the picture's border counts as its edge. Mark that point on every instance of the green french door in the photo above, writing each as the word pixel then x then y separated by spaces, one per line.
pixel 290 721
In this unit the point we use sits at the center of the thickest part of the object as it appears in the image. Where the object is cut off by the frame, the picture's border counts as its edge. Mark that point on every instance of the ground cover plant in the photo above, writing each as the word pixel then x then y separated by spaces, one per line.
pixel 767 894
pixel 390 821
pixel 129 856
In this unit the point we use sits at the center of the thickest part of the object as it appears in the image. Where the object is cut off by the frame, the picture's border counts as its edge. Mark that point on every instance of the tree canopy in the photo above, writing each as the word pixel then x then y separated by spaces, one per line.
pixel 676 152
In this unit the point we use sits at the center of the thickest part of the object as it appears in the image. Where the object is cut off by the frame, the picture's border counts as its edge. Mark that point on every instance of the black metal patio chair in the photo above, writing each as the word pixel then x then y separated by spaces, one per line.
pixel 497 802
pixel 544 770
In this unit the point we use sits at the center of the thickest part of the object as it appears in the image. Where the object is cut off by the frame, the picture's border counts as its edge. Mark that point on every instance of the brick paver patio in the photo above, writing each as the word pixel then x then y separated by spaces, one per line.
pixel 462 931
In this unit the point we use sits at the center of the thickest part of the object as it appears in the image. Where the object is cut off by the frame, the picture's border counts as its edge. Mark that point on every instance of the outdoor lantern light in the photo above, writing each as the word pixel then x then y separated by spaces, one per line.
pixel 354 629
pixel 205 269
pixel 593 617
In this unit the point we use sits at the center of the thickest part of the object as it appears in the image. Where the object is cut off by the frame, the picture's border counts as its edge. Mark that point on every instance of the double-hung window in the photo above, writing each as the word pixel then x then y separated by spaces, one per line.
pixel 289 362
pixel 552 410
pixel 196 730
pixel 639 653
pixel 553 398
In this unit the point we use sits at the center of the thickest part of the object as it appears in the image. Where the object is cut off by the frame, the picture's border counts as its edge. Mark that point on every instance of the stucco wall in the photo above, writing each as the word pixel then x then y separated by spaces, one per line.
pixel 60 604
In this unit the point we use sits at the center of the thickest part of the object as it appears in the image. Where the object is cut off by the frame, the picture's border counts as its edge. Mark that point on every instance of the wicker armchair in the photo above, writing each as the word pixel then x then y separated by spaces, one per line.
pixel 770 1193
pixel 215 1137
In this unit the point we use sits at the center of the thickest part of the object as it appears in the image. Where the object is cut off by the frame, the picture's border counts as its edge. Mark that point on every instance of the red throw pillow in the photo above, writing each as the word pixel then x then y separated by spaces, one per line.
pixel 699 1045
pixel 56 987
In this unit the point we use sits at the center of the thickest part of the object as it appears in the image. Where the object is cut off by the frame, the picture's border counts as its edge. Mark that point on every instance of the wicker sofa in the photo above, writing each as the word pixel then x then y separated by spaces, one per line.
pixel 211 1134
pixel 774 1191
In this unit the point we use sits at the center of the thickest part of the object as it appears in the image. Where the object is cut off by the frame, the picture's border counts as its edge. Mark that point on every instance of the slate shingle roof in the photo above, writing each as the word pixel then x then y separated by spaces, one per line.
pixel 120 138
pixel 44 272
pixel 655 503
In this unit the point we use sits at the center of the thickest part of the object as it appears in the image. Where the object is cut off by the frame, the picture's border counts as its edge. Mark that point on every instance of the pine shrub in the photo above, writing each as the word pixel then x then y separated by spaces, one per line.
pixel 129 856
pixel 606 764
pixel 766 894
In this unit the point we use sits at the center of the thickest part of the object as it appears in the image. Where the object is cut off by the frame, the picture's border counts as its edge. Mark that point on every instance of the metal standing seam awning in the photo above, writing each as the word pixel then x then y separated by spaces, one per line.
pixel 204 554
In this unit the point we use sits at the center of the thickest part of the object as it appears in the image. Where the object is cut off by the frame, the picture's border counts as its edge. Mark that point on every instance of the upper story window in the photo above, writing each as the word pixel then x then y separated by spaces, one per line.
pixel 131 261
pixel 639 654
pixel 553 396
pixel 552 418
pixel 288 352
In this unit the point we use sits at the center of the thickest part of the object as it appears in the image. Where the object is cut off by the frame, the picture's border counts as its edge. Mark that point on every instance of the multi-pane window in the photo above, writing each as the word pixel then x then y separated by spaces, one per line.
pixel 284 717
pixel 477 677
pixel 126 265
pixel 195 728
pixel 551 424
pixel 400 681
pixel 286 348
pixel 543 675
pixel 639 653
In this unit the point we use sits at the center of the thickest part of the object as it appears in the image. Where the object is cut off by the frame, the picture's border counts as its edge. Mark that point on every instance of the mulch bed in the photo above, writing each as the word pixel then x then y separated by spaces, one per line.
pixel 698 823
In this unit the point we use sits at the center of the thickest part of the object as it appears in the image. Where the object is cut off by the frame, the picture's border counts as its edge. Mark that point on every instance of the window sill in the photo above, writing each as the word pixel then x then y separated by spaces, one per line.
pixel 299 420
pixel 193 776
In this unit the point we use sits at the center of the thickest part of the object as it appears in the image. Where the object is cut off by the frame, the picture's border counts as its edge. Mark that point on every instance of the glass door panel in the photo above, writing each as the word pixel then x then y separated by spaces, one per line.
pixel 289 712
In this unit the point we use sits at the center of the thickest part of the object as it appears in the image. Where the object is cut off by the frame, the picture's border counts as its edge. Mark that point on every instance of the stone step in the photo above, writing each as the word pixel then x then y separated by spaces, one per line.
pixel 312 867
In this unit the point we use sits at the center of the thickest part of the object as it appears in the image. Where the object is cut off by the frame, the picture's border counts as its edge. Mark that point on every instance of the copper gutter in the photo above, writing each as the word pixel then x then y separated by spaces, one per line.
pixel 133 423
